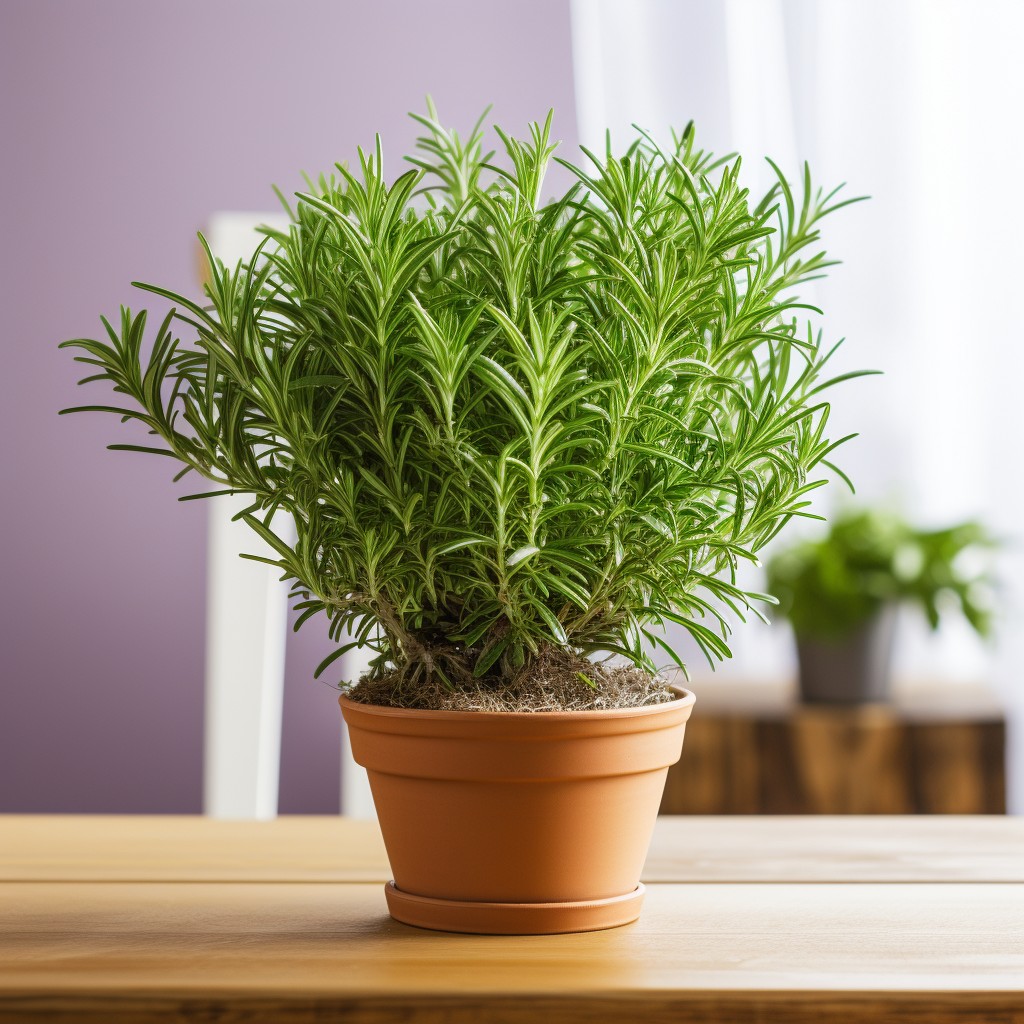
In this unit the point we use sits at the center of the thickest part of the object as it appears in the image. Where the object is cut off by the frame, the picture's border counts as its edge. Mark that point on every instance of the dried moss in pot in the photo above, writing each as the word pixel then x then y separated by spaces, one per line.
pixel 555 681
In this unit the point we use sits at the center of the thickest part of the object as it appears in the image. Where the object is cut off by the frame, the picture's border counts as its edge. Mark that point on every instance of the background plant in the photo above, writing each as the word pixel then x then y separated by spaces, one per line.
pixel 870 558
pixel 504 426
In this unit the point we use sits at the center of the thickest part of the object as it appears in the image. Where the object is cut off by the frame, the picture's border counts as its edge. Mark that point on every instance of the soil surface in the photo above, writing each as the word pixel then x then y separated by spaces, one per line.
pixel 553 683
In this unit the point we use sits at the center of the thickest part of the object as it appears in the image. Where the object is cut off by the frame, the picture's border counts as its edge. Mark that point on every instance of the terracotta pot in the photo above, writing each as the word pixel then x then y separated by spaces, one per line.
pixel 510 823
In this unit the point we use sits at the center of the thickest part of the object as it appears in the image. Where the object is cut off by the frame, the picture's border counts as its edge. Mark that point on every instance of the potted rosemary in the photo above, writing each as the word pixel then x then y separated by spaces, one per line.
pixel 841 594
pixel 517 437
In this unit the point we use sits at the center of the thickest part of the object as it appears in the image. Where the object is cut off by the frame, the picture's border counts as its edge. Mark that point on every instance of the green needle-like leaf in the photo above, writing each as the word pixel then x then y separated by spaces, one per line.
pixel 503 424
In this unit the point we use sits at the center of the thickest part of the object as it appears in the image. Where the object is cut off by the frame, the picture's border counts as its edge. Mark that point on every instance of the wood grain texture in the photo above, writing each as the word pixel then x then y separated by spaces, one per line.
pixel 198 945
pixel 652 1008
pixel 755 750
pixel 70 848
pixel 746 920
pixel 939 751
pixel 139 848
pixel 851 849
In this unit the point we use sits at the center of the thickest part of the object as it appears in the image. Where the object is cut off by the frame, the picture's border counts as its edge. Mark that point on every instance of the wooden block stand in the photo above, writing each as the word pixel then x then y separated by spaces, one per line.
pixel 758 750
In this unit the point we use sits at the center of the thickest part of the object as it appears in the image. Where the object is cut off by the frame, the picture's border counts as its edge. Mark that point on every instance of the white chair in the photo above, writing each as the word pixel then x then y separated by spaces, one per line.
pixel 246 631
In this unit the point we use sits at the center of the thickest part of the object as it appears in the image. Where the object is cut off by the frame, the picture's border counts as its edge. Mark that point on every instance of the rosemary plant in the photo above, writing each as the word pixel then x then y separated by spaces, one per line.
pixel 504 426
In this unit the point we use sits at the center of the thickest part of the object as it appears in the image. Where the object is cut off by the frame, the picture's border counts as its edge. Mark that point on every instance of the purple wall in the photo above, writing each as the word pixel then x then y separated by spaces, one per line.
pixel 124 125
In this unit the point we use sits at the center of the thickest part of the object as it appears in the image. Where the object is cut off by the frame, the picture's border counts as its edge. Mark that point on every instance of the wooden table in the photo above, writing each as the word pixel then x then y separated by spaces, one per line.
pixel 118 920
pixel 755 749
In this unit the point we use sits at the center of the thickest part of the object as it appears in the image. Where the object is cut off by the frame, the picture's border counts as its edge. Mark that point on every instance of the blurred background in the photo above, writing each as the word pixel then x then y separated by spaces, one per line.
pixel 128 126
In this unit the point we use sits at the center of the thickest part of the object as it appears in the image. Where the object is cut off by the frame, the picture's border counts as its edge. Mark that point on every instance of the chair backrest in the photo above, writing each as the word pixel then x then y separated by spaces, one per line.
pixel 246 631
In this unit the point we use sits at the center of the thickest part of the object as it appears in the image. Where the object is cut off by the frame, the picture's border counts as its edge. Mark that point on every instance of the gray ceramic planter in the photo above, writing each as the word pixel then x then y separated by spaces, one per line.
pixel 855 669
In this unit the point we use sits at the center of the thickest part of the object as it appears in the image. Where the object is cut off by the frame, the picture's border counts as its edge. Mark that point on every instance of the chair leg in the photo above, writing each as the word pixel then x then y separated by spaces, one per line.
pixel 246 627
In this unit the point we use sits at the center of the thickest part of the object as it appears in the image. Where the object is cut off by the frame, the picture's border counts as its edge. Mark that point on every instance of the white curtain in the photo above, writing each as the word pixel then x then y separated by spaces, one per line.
pixel 917 103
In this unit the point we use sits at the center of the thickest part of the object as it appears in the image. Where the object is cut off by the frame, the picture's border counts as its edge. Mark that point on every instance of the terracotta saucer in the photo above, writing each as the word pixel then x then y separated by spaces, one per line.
pixel 513 918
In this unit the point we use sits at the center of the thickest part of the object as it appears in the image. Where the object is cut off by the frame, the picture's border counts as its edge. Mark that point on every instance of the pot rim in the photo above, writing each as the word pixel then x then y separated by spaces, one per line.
pixel 685 699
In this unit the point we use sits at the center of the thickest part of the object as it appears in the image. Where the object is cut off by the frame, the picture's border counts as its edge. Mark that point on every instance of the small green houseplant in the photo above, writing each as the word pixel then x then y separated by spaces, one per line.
pixel 515 435
pixel 840 592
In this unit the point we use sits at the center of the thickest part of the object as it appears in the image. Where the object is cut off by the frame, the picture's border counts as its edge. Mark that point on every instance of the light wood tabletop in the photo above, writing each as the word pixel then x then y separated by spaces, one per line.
pixel 131 919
